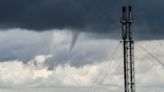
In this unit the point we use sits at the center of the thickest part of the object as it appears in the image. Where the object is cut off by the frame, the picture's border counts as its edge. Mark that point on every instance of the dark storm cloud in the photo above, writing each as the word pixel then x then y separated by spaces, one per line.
pixel 49 14
pixel 99 15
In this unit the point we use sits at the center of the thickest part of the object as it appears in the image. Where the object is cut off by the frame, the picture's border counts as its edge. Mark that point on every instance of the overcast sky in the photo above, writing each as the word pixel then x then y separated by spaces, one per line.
pixel 63 45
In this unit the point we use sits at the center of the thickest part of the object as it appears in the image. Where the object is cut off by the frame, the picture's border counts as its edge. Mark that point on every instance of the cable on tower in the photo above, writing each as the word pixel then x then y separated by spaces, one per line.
pixel 149 53
pixel 92 89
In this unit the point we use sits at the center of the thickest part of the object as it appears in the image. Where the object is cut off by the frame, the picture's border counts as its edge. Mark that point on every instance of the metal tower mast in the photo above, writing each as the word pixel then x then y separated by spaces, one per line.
pixel 128 48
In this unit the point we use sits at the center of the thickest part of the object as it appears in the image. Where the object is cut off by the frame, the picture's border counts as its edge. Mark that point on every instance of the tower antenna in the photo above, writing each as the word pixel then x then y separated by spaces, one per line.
pixel 128 48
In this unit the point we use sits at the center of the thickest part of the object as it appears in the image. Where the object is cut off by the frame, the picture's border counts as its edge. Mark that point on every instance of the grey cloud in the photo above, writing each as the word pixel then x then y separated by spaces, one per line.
pixel 23 45
pixel 98 16
pixel 49 14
